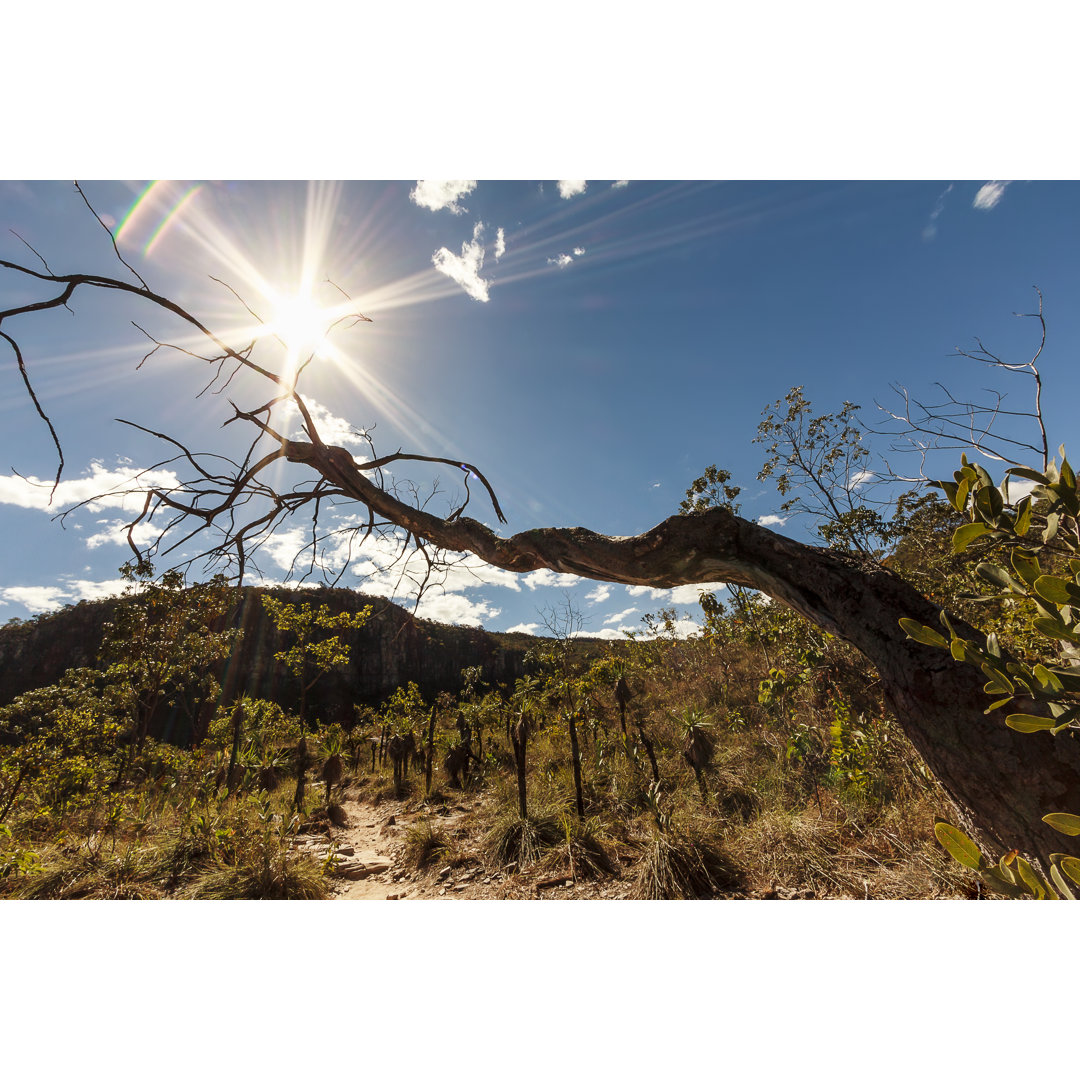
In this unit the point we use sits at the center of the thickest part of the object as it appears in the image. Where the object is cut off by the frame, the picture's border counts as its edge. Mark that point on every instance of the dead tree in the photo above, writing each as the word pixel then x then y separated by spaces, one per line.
pixel 1002 782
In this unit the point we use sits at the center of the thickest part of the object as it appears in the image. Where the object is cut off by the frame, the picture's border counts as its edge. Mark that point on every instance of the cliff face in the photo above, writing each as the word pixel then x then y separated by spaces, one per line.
pixel 390 650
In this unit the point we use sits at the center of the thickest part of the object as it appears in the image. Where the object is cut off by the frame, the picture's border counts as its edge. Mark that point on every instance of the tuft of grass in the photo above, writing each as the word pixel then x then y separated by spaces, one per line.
pixel 684 859
pixel 84 875
pixel 424 843
pixel 268 871
pixel 522 840
pixel 584 848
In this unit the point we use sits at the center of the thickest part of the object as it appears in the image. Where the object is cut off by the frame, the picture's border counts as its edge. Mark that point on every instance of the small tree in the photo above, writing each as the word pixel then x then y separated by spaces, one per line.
pixel 314 652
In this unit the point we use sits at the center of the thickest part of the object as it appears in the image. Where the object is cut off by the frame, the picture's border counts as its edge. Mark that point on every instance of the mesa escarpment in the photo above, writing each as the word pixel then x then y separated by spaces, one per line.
pixel 392 649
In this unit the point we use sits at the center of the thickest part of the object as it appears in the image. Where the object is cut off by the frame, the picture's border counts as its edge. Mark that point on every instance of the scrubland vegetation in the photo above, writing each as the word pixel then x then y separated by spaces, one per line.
pixel 756 758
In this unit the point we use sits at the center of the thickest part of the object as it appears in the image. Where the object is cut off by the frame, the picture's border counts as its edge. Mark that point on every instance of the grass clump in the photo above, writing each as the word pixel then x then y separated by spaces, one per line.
pixel 424 843
pixel 522 840
pixel 267 870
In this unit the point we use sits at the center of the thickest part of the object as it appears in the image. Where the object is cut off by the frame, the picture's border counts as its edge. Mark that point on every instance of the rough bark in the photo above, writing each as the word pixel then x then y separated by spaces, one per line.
pixel 1002 782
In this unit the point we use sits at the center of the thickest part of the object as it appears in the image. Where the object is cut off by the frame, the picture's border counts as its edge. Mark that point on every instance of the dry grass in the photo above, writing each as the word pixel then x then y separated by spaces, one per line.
pixel 685 861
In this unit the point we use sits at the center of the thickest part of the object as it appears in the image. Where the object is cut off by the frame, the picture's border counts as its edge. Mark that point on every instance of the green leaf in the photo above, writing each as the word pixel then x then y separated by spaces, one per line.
pixel 1023 517
pixel 998 683
pixel 1047 677
pixel 967 533
pixel 1057 590
pixel 1071 866
pixel 1027 724
pixel 996 576
pixel 1059 880
pixel 1027 474
pixel 1052 522
pixel 1055 628
pixel 1031 879
pixel 1026 567
pixel 996 880
pixel 989 504
pixel 962 849
pixel 917 632
pixel 1064 823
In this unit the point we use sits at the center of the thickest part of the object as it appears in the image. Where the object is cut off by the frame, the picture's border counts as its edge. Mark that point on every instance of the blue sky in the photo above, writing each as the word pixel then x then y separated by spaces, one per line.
pixel 592 346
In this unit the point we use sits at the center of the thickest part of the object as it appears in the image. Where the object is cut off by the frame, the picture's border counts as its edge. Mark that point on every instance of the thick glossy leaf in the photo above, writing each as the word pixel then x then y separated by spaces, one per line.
pixel 1027 724
pixel 1026 567
pixel 1059 881
pixel 997 683
pixel 1052 522
pixel 962 849
pixel 1071 866
pixel 968 533
pixel 1032 880
pixel 1047 677
pixel 1055 628
pixel 989 504
pixel 1064 823
pixel 917 632
pixel 996 576
pixel 1027 474
pixel 996 880
pixel 1023 517
pixel 1057 590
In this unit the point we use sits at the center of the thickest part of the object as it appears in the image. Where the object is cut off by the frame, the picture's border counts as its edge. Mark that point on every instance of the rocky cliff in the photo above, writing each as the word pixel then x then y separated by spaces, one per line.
pixel 390 650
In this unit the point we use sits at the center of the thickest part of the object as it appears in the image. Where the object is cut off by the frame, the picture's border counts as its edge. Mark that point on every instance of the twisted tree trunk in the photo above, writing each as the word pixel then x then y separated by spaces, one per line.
pixel 1003 782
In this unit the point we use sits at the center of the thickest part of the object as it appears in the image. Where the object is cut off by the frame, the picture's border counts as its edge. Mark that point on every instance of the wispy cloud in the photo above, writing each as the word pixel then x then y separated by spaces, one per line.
pixel 441 194
pixel 989 195
pixel 599 594
pixel 524 628
pixel 500 244
pixel 620 183
pixel 619 616
pixel 563 259
pixel 771 519
pixel 465 268
pixel 569 188
pixel 930 229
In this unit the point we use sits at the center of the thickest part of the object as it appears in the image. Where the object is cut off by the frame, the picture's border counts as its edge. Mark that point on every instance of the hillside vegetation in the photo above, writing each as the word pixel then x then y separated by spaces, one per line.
pixel 753 759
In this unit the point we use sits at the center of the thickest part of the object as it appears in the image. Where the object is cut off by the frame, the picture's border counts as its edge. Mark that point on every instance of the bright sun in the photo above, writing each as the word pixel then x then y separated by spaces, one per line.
pixel 301 323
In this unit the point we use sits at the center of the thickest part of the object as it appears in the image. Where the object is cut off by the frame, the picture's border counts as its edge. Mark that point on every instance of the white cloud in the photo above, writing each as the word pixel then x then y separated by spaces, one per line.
pixel 771 519
pixel 500 244
pixel 863 476
pixel 681 594
pixel 989 195
pixel 35 598
pixel 561 260
pixel 144 534
pixel 465 268
pixel 619 616
pixel 579 251
pixel 569 188
pixel 455 608
pixel 620 183
pixel 548 579
pixel 684 628
pixel 599 594
pixel 33 493
pixel 332 429
pixel 40 598
pixel 524 628
pixel 441 194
